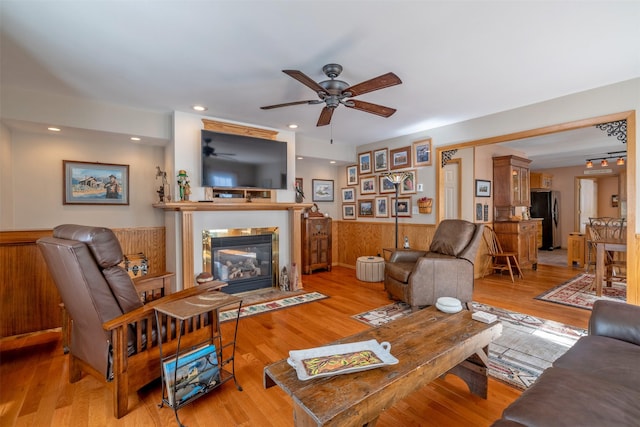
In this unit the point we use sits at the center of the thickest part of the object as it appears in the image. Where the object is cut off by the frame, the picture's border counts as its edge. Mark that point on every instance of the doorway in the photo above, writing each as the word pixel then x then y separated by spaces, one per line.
pixel 452 189
pixel 587 192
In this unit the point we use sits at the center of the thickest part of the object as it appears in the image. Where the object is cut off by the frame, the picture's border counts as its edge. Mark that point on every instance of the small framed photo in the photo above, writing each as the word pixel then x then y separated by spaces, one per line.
pixel 408 186
pixel 404 207
pixel 352 175
pixel 364 162
pixel 400 158
pixel 382 206
pixel 422 153
pixel 95 183
pixel 381 160
pixel 368 185
pixel 483 188
pixel 322 190
pixel 349 211
pixel 386 186
pixel 365 208
pixel 348 195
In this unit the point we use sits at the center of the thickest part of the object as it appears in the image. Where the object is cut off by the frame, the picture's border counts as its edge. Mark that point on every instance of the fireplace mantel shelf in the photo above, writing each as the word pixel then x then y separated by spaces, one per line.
pixel 229 206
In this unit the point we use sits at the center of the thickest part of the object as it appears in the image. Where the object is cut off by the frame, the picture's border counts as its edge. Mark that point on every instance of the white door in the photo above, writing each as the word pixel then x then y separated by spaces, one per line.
pixel 588 195
pixel 451 172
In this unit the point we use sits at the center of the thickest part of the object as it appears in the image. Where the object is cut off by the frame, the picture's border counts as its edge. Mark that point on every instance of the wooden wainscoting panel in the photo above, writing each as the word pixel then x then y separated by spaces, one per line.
pixel 29 299
pixel 359 238
pixel 148 240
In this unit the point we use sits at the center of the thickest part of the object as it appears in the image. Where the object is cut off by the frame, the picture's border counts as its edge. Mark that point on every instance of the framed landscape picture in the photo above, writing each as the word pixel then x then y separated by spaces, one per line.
pixel 364 162
pixel 404 207
pixel 322 190
pixel 483 188
pixel 368 185
pixel 349 211
pixel 422 153
pixel 408 186
pixel 386 186
pixel 95 183
pixel 352 175
pixel 381 160
pixel 400 158
pixel 382 206
pixel 348 195
pixel 365 208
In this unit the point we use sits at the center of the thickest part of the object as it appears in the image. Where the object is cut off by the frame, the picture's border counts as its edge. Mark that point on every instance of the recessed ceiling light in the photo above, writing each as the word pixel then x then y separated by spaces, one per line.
pixel 54 129
pixel 332 162
pixel 300 158
pixel 293 126
pixel 199 108
pixel 135 138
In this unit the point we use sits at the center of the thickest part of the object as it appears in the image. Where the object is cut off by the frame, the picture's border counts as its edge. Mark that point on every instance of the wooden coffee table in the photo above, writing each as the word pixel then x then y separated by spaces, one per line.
pixel 427 343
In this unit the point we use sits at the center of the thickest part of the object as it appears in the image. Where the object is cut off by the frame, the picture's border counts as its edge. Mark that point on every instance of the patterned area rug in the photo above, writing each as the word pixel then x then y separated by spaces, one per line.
pixel 577 292
pixel 266 306
pixel 528 345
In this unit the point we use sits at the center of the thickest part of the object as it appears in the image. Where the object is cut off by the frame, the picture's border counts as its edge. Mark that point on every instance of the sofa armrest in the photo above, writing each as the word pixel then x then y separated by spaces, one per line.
pixel 406 255
pixel 615 320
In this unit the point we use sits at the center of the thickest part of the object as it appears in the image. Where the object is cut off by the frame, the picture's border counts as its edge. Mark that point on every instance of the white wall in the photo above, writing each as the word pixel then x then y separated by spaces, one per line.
pixel 35 183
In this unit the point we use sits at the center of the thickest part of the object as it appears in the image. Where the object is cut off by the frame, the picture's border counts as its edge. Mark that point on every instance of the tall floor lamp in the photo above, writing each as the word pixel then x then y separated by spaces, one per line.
pixel 396 178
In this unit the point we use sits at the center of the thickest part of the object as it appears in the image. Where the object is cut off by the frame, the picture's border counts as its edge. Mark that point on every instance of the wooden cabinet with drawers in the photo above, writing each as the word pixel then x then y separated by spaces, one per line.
pixel 316 242
pixel 519 237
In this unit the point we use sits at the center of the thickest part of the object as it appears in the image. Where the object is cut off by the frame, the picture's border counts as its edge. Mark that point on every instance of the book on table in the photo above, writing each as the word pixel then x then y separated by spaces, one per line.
pixel 197 372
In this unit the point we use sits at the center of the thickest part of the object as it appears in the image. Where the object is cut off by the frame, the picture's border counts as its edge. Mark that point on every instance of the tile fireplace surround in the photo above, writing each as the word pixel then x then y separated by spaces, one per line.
pixel 185 222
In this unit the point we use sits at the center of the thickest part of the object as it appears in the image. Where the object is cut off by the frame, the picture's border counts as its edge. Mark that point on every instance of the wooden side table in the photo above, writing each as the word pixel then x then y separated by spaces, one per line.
pixel 185 310
pixel 575 249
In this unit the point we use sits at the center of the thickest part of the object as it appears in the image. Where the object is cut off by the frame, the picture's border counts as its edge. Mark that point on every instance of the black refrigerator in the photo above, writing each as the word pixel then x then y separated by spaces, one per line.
pixel 545 204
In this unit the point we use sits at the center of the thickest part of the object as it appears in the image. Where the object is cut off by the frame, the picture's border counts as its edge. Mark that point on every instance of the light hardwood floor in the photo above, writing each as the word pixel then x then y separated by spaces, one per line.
pixel 34 374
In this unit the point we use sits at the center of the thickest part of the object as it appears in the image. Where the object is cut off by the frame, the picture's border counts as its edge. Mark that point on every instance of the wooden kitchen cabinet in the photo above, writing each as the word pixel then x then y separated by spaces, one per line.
pixel 540 180
pixel 511 185
pixel 316 242
pixel 519 237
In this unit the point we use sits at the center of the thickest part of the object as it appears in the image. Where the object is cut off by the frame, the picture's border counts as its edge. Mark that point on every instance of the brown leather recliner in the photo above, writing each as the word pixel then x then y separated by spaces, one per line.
pixel 419 278
pixel 112 335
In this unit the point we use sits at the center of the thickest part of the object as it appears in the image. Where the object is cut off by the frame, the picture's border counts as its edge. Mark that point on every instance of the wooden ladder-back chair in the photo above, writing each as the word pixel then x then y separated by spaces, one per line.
pixel 499 260
pixel 610 229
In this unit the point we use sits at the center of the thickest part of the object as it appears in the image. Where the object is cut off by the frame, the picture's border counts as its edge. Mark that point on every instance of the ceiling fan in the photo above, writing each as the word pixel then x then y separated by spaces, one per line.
pixel 335 92
pixel 209 151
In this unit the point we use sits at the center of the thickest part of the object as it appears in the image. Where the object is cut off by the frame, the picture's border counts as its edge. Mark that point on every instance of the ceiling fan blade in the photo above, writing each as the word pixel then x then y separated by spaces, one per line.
pixel 287 104
pixel 368 107
pixel 325 116
pixel 380 82
pixel 304 79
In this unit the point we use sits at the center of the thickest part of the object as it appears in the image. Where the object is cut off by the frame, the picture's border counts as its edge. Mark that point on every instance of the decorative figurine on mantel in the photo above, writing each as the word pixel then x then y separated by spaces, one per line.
pixel 183 183
pixel 163 191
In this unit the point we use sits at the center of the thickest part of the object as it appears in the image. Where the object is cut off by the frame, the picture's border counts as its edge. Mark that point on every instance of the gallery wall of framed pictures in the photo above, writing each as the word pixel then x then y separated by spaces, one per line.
pixel 370 195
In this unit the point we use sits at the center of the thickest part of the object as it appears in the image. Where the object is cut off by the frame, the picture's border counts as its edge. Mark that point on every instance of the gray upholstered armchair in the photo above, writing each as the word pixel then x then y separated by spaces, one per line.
pixel 419 278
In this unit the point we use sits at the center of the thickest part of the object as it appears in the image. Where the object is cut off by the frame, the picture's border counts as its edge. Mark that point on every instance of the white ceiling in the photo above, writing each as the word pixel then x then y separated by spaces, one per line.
pixel 457 60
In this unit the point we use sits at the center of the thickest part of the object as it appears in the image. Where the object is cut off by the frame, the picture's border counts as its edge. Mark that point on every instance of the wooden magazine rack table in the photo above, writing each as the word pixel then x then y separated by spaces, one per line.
pixel 427 343
pixel 217 355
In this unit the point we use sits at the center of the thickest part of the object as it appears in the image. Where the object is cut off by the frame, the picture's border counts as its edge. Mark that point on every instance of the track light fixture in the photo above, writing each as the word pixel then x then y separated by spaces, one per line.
pixel 604 161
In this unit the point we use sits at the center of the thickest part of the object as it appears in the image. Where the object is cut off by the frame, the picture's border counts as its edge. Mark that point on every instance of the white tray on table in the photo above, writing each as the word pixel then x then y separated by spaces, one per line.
pixel 340 359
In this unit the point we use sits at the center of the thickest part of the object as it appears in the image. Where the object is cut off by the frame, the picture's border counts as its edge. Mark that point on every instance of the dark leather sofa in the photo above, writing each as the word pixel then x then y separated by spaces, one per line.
pixel 595 383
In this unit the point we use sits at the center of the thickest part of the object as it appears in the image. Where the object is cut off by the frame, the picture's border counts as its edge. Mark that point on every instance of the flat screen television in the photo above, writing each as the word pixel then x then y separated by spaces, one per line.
pixel 239 161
